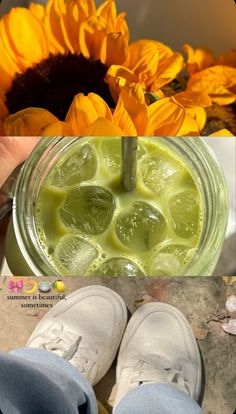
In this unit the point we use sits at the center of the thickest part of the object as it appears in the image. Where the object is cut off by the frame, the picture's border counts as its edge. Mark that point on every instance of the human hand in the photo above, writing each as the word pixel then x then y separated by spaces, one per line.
pixel 13 151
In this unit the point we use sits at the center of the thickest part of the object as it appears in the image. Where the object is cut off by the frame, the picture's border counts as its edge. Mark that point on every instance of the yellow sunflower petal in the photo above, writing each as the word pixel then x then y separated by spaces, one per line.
pixel 117 77
pixel 91 35
pixel 75 14
pixel 115 50
pixel 168 69
pixel 218 82
pixel 30 121
pixel 55 10
pixel 194 103
pixel 58 129
pixel 190 98
pixel 189 126
pixel 24 37
pixel 103 127
pixel 121 25
pixel 198 59
pixel 70 21
pixel 85 110
pixel 66 31
pixel 131 111
pixel 115 23
pixel 107 11
pixel 154 63
pixel 8 67
pixel 166 117
pixel 123 120
pixel 221 133
pixel 38 10
pixel 199 115
pixel 144 60
pixel 87 6
pixel 100 106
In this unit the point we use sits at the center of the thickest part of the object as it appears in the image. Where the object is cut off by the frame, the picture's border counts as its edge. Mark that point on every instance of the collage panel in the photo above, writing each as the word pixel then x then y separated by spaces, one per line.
pixel 177 331
pixel 121 207
pixel 68 213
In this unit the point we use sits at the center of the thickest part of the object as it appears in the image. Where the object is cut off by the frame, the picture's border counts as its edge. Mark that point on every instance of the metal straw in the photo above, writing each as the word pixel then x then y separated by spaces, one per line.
pixel 129 162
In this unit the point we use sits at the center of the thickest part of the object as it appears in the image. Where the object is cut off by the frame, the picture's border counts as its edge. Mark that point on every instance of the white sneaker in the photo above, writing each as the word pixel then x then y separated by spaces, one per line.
pixel 158 347
pixel 85 329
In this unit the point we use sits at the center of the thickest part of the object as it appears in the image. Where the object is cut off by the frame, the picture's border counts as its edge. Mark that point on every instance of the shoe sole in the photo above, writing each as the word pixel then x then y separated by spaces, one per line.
pixel 142 313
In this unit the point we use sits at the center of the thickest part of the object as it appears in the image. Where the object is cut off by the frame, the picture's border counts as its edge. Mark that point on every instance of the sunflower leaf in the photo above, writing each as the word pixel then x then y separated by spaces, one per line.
pixel 151 97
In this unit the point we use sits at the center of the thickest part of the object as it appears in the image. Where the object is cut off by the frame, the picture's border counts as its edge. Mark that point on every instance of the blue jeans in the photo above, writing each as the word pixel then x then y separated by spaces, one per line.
pixel 40 382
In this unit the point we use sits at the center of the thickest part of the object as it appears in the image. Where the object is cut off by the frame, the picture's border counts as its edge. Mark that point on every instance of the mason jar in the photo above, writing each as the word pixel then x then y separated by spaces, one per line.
pixel 24 252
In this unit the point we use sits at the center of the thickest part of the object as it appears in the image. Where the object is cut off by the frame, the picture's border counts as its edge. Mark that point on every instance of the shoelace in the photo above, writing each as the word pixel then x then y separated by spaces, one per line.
pixel 72 348
pixel 155 369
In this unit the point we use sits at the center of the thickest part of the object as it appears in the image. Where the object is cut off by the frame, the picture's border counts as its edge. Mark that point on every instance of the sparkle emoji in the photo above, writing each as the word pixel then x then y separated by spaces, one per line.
pixel 59 285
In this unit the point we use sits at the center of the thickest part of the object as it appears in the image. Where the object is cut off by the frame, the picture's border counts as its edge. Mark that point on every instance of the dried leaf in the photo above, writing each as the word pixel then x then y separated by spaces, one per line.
pixel 200 333
pixel 144 298
pixel 230 327
pixel 101 408
pixel 229 280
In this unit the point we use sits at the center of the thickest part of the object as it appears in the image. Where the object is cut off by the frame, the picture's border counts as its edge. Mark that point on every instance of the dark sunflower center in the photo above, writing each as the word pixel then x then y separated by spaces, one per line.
pixel 53 83
pixel 220 117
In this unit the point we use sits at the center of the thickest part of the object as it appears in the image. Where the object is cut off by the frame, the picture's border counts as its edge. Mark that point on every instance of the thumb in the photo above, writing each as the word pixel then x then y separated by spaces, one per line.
pixel 13 151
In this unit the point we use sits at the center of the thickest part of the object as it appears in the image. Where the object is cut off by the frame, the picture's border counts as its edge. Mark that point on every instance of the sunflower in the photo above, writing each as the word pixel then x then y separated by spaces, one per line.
pixel 68 68
pixel 217 78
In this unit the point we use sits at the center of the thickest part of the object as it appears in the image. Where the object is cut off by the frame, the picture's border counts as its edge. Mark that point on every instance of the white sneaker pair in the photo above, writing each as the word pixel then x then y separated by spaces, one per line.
pixel 158 345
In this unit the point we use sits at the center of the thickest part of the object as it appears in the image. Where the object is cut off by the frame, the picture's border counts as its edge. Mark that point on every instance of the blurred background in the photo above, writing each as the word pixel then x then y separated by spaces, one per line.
pixel 175 22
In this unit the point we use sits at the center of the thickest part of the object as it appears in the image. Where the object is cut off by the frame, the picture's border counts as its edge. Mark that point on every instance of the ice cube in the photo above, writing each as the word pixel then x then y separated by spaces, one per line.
pixel 165 264
pixel 119 266
pixel 111 151
pixel 73 255
pixel 88 209
pixel 78 166
pixel 185 212
pixel 169 261
pixel 159 171
pixel 141 226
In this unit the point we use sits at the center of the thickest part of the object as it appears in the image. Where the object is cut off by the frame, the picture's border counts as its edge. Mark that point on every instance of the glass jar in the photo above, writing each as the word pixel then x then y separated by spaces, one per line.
pixel 24 253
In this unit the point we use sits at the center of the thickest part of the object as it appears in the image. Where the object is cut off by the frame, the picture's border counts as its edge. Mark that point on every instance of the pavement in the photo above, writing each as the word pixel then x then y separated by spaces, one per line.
pixel 202 300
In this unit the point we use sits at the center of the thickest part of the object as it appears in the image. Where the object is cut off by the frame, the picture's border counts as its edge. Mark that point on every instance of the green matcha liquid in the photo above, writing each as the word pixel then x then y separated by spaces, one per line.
pixel 88 225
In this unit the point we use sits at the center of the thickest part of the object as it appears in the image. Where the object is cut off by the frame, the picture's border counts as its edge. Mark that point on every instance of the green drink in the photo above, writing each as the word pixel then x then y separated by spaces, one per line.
pixel 71 215
pixel 88 225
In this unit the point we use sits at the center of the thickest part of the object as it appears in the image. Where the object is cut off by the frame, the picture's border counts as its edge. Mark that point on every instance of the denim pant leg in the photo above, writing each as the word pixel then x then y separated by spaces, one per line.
pixel 157 399
pixel 40 382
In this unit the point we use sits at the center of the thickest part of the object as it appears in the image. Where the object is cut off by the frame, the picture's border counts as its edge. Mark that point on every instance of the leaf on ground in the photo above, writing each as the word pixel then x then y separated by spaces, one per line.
pixel 144 298
pixel 200 333
pixel 229 280
pixel 230 327
pixel 101 408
